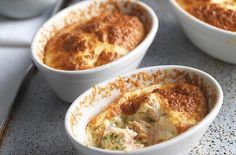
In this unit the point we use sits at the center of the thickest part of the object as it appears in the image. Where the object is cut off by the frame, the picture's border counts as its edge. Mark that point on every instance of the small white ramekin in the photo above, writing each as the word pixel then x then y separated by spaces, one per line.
pixel 67 85
pixel 216 42
pixel 87 105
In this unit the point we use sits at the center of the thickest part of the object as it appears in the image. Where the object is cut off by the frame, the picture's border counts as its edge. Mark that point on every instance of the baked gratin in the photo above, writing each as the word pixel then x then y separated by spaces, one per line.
pixel 219 13
pixel 147 116
pixel 95 42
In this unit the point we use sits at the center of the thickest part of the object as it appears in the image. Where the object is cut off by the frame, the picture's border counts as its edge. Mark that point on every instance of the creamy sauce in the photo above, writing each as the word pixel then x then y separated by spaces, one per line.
pixel 147 116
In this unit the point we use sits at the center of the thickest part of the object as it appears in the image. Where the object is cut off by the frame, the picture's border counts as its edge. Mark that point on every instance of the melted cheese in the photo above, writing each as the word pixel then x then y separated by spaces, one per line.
pixel 219 13
pixel 147 116
pixel 96 42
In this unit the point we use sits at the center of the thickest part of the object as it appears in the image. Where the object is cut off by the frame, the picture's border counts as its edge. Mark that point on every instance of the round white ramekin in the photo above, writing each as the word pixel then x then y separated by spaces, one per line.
pixel 67 85
pixel 86 106
pixel 216 42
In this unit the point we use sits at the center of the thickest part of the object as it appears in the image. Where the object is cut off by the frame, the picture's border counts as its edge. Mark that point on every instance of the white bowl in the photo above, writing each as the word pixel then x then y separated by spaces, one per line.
pixel 87 105
pixel 216 42
pixel 69 84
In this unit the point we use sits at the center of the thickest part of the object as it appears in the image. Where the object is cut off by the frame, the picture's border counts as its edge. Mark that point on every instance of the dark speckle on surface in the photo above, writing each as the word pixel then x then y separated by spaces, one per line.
pixel 37 126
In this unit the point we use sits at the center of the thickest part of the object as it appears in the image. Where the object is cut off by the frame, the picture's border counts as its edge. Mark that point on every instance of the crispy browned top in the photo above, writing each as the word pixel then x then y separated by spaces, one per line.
pixel 98 41
pixel 180 97
pixel 211 13
pixel 185 104
pixel 185 98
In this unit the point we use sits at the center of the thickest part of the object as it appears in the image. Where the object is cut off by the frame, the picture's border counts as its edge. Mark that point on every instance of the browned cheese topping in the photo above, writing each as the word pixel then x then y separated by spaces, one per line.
pixel 96 42
pixel 219 13
pixel 147 116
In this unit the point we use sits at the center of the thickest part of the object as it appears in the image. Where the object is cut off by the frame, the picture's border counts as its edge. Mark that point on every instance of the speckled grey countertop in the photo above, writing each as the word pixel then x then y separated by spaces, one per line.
pixel 37 125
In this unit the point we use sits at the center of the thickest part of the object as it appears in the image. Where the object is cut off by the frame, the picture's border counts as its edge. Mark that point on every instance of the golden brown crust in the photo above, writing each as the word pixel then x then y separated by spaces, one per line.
pixel 184 98
pixel 211 13
pixel 187 99
pixel 184 104
pixel 96 42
